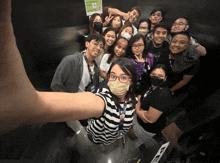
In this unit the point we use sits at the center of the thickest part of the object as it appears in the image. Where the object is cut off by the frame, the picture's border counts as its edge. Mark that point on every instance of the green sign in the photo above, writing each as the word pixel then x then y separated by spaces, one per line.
pixel 93 6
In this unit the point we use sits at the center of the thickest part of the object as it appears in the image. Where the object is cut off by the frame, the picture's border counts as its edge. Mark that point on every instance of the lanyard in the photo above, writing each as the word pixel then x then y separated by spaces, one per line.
pixel 90 72
pixel 122 117
pixel 145 62
pixel 149 91
pixel 170 58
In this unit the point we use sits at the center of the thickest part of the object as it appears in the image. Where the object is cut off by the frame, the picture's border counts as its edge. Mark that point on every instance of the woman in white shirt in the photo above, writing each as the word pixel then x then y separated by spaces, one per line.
pixel 119 50
pixel 109 35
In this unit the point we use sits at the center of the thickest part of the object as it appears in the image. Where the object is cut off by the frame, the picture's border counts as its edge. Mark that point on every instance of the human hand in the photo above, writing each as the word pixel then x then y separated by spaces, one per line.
pixel 139 59
pixel 108 19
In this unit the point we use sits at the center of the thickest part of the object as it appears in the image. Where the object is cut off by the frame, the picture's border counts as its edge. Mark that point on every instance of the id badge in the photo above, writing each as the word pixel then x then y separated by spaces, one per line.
pixel 93 88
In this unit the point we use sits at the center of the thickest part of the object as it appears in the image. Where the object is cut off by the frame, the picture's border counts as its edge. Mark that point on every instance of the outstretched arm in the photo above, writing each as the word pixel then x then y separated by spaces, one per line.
pixel 20 102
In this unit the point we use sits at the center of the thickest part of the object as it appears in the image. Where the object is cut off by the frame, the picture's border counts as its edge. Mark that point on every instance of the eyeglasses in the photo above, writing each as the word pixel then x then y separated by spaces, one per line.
pixel 181 23
pixel 145 27
pixel 122 78
pixel 137 45
pixel 97 44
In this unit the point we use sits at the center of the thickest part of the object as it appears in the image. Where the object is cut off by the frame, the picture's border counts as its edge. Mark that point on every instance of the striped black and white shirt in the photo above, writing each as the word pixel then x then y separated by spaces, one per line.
pixel 104 130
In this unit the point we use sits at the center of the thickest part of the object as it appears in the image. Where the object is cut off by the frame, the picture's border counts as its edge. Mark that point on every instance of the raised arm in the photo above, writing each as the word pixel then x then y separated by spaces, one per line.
pixel 20 102
pixel 115 11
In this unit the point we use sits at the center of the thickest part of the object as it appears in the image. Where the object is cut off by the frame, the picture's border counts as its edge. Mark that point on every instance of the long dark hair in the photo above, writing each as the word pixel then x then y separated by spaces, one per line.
pixel 110 23
pixel 105 32
pixel 91 20
pixel 134 39
pixel 129 69
pixel 127 24
pixel 111 49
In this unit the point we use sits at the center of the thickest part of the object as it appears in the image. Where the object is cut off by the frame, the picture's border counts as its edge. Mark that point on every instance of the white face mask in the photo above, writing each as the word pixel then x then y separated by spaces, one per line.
pixel 126 35
pixel 118 88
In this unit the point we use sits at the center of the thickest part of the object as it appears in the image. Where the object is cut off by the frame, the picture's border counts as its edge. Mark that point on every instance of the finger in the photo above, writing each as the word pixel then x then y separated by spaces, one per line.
pixel 136 57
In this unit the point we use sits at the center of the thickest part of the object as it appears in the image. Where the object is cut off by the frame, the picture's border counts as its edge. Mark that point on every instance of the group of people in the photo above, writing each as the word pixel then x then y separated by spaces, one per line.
pixel 122 62
pixel 137 72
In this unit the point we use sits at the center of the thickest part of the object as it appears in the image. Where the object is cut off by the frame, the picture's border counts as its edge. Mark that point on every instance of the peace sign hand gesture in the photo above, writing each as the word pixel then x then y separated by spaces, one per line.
pixel 139 59
pixel 108 19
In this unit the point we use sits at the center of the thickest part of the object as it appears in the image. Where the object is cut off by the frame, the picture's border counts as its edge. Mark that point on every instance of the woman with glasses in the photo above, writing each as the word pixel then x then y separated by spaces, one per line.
pixel 119 50
pixel 138 55
pixel 119 102
pixel 144 27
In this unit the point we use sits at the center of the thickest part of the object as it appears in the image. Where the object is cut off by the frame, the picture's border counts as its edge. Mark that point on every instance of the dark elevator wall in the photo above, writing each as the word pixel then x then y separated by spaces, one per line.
pixel 46 31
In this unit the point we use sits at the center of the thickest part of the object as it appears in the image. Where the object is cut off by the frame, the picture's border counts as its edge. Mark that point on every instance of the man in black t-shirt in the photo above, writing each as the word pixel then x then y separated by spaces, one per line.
pixel 158 47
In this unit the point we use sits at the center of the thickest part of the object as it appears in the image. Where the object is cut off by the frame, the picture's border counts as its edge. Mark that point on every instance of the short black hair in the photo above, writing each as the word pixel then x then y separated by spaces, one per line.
pixel 158 9
pixel 162 66
pixel 184 17
pixel 162 25
pixel 185 33
pixel 137 8
pixel 145 20
pixel 94 36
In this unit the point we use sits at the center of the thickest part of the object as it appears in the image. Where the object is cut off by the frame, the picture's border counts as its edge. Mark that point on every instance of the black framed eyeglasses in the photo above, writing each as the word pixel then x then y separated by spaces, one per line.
pixel 137 45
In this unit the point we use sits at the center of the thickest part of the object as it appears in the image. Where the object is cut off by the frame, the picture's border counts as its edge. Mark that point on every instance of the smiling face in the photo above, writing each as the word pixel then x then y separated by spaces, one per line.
pixel 138 47
pixel 179 43
pixel 94 48
pixel 179 25
pixel 116 22
pixel 133 16
pixel 120 47
pixel 110 38
pixel 156 17
pixel 159 36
